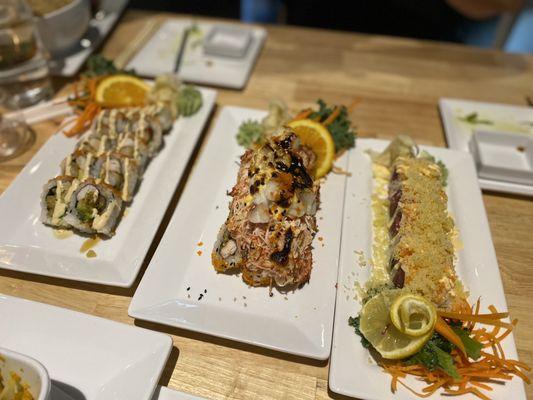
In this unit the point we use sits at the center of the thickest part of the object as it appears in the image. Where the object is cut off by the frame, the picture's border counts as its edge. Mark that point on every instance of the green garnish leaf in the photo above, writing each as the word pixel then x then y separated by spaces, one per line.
pixel 341 131
pixel 250 133
pixel 473 118
pixel 445 362
pixel 98 65
pixel 472 346
pixel 354 321
pixel 436 354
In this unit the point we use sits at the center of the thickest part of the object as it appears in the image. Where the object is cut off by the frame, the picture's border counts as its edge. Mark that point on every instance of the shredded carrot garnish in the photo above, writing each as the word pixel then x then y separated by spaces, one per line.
pixel 303 114
pixel 354 104
pixel 333 116
pixel 84 102
pixel 476 375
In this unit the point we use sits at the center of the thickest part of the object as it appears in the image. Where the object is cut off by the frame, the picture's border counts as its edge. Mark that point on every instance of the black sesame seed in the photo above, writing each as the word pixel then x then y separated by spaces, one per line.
pixel 189 288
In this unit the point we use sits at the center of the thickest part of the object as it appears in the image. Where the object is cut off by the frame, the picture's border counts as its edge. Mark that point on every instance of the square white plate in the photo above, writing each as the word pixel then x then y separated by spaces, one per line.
pixel 29 246
pixel 87 357
pixel 299 322
pixel 159 56
pixel 352 371
pixel 503 117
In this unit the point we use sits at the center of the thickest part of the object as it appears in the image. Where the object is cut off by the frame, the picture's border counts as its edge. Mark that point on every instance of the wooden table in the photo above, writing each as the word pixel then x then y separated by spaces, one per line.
pixel 400 82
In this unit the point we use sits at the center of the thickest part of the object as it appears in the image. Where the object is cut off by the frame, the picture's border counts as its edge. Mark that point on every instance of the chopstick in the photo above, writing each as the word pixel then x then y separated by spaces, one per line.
pixel 134 45
pixel 181 51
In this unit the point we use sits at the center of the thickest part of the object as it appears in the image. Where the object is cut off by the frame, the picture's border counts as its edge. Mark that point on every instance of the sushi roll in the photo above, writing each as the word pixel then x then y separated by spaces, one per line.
pixel 120 172
pixel 81 165
pixel 130 145
pixel 54 200
pixel 146 128
pixel 421 231
pixel 112 122
pixel 162 114
pixel 271 224
pixel 94 208
pixel 96 143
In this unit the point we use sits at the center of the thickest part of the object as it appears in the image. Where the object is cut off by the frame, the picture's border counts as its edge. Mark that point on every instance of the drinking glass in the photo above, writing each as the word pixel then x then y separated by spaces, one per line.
pixel 24 70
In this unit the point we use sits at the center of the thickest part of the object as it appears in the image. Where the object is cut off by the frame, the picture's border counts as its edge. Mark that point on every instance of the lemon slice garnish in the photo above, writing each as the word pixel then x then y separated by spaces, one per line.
pixel 377 327
pixel 413 315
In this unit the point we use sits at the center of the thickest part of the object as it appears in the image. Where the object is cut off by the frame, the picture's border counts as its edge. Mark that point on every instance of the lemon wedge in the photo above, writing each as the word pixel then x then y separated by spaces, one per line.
pixel 121 91
pixel 377 327
pixel 317 137
pixel 413 315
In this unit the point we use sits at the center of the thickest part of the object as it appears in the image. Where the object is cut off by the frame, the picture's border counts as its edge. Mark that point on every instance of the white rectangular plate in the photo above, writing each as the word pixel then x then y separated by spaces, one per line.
pixel 298 322
pixel 159 56
pixel 352 371
pixel 29 246
pixel 505 118
pixel 87 357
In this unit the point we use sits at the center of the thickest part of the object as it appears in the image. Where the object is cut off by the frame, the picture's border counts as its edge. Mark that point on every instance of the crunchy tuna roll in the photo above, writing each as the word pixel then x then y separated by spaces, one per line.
pixel 55 199
pixel 270 228
pixel 120 172
pixel 94 208
pixel 421 231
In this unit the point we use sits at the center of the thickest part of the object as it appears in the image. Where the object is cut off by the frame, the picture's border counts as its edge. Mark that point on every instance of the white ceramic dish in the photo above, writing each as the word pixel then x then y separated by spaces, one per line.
pixel 32 372
pixel 503 156
pixel 505 118
pixel 29 246
pixel 159 56
pixel 299 322
pixel 352 371
pixel 99 28
pixel 62 29
pixel 87 357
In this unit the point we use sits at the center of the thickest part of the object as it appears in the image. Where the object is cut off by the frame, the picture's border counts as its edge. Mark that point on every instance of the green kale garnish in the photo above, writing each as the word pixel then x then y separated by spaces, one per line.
pixel 473 118
pixel 341 131
pixel 472 346
pixel 436 354
pixel 354 321
pixel 98 65
pixel 250 133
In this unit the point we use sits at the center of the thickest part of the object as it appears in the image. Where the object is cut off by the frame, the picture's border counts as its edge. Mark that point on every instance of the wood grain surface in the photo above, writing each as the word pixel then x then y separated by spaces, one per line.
pixel 399 82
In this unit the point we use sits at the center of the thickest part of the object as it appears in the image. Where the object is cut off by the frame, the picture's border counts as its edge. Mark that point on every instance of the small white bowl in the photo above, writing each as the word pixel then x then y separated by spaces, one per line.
pixel 63 28
pixel 31 371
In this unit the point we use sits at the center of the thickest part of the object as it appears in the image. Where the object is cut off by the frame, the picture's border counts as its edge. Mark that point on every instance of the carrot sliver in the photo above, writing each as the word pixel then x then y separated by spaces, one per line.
pixel 333 116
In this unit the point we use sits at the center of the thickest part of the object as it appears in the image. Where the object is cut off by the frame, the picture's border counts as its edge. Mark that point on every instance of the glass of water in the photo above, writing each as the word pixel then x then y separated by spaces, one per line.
pixel 24 74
